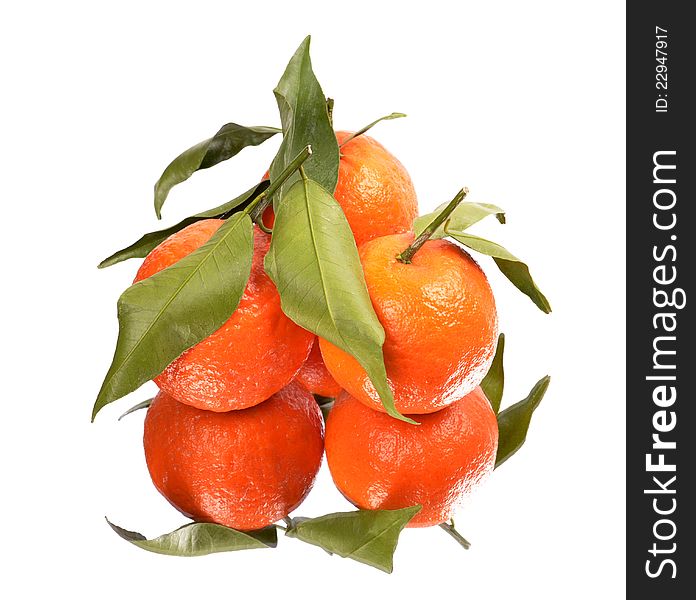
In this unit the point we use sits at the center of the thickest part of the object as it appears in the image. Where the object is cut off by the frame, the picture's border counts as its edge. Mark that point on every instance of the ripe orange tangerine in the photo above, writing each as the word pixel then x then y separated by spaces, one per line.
pixel 374 190
pixel 378 462
pixel 440 321
pixel 245 468
pixel 222 372
pixel 315 377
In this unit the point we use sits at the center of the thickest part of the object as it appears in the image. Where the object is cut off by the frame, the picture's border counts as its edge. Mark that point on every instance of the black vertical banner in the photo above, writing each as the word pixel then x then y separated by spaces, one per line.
pixel 661 342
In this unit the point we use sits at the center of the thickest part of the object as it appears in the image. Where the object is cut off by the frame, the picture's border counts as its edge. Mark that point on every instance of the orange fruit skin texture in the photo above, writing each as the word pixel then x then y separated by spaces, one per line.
pixel 378 462
pixel 255 353
pixel 440 322
pixel 315 377
pixel 374 190
pixel 244 469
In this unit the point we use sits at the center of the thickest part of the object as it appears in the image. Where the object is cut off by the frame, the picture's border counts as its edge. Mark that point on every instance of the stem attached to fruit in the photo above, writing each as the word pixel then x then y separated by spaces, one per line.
pixel 262 202
pixel 407 255
pixel 395 115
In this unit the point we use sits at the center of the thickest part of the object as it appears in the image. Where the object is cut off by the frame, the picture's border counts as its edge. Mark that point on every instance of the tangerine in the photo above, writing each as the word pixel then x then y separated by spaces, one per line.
pixel 220 373
pixel 440 321
pixel 315 377
pixel 245 468
pixel 374 190
pixel 378 462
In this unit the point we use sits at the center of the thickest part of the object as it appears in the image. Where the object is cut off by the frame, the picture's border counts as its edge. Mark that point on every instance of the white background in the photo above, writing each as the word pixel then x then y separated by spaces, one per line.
pixel 521 101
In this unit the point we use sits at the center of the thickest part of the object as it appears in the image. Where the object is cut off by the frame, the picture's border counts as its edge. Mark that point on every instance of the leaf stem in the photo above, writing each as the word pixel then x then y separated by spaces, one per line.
pixel 461 540
pixel 407 255
pixel 262 225
pixel 140 405
pixel 329 109
pixel 394 115
pixel 263 200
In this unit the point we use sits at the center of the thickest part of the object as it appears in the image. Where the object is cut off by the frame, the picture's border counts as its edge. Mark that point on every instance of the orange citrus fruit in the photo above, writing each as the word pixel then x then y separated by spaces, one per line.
pixel 245 468
pixel 378 462
pixel 315 377
pixel 221 372
pixel 440 321
pixel 374 190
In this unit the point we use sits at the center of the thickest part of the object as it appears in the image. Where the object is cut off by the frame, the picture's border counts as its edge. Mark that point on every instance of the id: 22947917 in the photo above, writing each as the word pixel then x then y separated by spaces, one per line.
pixel 661 69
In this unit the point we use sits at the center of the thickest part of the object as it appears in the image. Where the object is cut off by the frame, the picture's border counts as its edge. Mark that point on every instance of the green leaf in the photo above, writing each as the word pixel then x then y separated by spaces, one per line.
pixel 368 536
pixel 511 266
pixel 226 143
pixel 199 539
pixel 470 213
pixel 305 118
pixel 494 381
pixel 323 400
pixel 314 263
pixel 463 217
pixel 138 406
pixel 145 244
pixel 325 404
pixel 162 316
pixel 359 132
pixel 513 422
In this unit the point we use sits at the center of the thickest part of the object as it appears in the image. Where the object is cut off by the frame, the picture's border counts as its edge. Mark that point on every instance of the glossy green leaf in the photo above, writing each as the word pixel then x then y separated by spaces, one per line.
pixel 314 263
pixel 305 119
pixel 362 130
pixel 470 213
pixel 368 536
pixel 325 404
pixel 510 266
pixel 199 539
pixel 162 316
pixel 513 422
pixel 145 244
pixel 463 217
pixel 494 381
pixel 225 144
pixel 137 407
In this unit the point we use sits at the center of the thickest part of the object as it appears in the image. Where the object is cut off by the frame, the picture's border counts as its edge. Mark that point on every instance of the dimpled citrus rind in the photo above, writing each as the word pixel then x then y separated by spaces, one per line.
pixel 440 322
pixel 244 469
pixel 315 377
pixel 221 372
pixel 378 462
pixel 374 189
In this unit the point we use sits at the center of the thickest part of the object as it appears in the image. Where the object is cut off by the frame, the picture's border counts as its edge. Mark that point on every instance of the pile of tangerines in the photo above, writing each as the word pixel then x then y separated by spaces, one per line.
pixel 235 436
